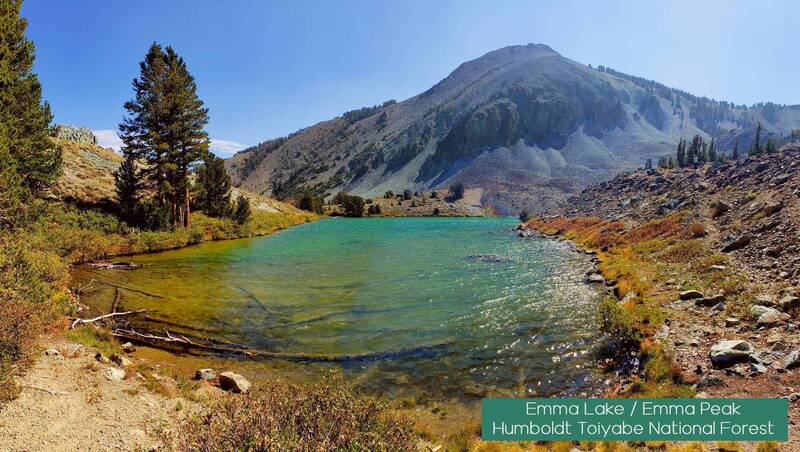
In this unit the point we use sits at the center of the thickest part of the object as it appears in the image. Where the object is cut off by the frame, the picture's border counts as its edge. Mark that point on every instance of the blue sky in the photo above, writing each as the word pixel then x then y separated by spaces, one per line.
pixel 268 68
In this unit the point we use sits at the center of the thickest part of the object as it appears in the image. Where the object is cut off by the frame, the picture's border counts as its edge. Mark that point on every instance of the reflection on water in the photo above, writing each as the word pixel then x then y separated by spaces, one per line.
pixel 447 307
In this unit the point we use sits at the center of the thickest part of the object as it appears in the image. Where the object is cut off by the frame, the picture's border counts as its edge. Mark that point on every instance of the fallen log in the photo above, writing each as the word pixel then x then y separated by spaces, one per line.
pixel 115 265
pixel 79 321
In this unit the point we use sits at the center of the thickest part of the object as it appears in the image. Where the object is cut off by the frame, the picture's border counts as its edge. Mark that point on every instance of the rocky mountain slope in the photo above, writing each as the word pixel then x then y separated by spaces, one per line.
pixel 524 123
pixel 752 207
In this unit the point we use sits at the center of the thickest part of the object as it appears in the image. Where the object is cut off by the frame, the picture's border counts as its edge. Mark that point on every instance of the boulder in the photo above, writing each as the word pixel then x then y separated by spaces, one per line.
pixel 732 321
pixel 757 369
pixel 789 303
pixel 772 207
pixel 595 278
pixel 737 243
pixel 730 352
pixel 772 317
pixel 691 294
pixel 233 382
pixel 205 374
pixel 120 360
pixel 718 208
pixel 765 300
pixel 756 310
pixel 114 374
pixel 792 360
pixel 128 347
pixel 710 301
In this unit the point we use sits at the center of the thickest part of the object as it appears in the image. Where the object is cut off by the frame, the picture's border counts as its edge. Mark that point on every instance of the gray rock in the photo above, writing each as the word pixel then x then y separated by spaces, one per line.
pixel 595 278
pixel 662 332
pixel 732 321
pixel 710 301
pixel 737 243
pixel 773 207
pixel 708 381
pixel 765 300
pixel 730 352
pixel 629 296
pixel 114 374
pixel 128 347
pixel 792 360
pixel 120 360
pixel 205 374
pixel 772 317
pixel 756 310
pixel 233 382
pixel 757 369
pixel 691 294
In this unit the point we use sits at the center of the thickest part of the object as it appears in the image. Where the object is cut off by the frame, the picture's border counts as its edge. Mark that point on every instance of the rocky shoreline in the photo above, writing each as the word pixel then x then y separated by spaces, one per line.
pixel 738 335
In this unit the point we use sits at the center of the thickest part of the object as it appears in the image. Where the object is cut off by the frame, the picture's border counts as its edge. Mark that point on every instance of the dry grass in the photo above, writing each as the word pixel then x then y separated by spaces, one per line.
pixel 280 416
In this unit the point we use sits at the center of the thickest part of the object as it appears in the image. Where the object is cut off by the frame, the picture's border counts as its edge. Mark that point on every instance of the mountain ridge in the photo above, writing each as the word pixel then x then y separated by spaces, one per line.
pixel 524 123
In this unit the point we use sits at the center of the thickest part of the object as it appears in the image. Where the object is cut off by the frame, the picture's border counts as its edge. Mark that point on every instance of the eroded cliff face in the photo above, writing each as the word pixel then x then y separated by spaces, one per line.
pixel 523 123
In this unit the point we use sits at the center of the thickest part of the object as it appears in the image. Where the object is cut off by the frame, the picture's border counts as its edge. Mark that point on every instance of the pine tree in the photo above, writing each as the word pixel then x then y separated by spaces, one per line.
pixel 213 187
pixel 163 126
pixel 757 141
pixel 735 152
pixel 696 152
pixel 770 147
pixel 712 152
pixel 648 164
pixel 24 119
pixel 143 129
pixel 128 187
pixel 242 213
pixel 12 191
pixel 187 138
pixel 681 155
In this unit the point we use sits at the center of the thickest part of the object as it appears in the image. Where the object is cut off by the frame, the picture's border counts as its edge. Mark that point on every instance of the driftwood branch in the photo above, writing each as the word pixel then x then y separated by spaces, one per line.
pixel 79 321
pixel 117 297
pixel 49 391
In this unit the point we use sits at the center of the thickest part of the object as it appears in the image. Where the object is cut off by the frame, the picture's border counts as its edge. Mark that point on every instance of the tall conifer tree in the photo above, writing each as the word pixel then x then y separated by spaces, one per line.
pixel 24 118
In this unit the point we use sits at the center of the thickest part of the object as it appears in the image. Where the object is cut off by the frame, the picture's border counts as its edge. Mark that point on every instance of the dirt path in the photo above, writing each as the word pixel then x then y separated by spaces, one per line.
pixel 69 403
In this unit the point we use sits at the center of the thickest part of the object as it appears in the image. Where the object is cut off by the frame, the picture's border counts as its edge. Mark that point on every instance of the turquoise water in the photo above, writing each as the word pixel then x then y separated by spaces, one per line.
pixel 456 307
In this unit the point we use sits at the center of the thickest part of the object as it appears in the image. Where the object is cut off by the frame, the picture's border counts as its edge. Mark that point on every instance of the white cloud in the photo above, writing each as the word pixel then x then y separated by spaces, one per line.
pixel 108 139
pixel 225 148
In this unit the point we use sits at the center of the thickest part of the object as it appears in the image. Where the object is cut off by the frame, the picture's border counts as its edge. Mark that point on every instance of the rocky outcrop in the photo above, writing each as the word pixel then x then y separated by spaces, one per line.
pixel 80 135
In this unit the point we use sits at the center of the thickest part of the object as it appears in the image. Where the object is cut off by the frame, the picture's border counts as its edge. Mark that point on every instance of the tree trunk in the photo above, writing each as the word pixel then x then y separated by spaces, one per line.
pixel 186 202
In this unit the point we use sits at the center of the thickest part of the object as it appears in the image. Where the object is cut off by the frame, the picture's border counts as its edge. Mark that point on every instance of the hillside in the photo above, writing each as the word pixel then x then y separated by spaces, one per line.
pixel 88 178
pixel 703 259
pixel 527 125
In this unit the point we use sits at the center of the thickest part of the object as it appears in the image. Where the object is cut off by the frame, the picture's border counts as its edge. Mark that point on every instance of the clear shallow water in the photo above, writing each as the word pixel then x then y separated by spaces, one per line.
pixel 452 307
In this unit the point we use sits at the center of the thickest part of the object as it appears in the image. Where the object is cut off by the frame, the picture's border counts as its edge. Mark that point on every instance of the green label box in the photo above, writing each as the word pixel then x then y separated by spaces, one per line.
pixel 635 419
